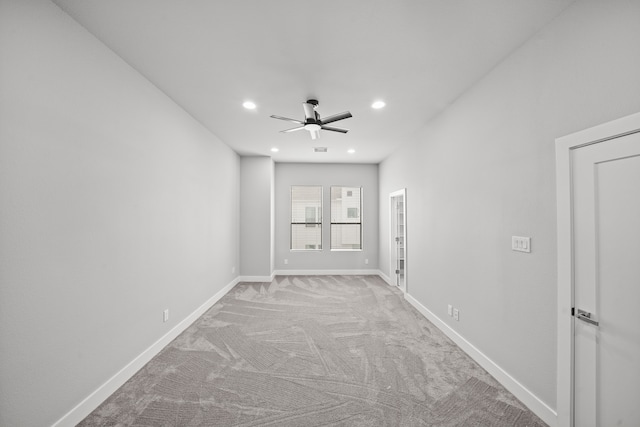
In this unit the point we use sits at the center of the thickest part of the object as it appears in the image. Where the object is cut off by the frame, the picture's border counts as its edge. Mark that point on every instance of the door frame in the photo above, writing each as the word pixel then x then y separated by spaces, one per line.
pixel 565 322
pixel 402 192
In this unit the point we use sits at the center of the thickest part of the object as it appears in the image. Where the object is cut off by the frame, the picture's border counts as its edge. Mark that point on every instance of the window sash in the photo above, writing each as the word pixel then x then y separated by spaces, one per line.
pixel 306 218
pixel 346 218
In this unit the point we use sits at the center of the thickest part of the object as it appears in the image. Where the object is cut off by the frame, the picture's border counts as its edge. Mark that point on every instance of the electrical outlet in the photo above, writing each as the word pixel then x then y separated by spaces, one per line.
pixel 233 269
pixel 165 315
pixel 366 260
pixel 456 314
pixel 450 310
pixel 286 261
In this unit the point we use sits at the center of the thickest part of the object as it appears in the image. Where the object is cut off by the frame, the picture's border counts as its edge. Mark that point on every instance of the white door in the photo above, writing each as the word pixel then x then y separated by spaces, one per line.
pixel 398 238
pixel 606 246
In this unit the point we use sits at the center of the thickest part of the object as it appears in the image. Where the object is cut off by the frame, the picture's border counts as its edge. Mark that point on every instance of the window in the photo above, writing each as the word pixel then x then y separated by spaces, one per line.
pixel 306 217
pixel 346 218
pixel 312 215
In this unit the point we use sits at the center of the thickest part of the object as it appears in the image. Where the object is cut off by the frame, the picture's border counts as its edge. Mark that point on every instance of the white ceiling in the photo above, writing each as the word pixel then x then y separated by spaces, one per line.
pixel 211 55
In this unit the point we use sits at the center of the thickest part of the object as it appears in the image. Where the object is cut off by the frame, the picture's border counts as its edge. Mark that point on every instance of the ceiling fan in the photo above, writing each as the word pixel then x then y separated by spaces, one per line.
pixel 312 121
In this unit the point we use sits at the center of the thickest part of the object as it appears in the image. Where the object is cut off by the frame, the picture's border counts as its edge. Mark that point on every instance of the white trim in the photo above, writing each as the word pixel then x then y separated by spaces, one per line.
pixel 611 130
pixel 267 279
pixel 564 145
pixel 370 272
pixel 541 409
pixel 564 358
pixel 386 278
pixel 402 192
pixel 95 399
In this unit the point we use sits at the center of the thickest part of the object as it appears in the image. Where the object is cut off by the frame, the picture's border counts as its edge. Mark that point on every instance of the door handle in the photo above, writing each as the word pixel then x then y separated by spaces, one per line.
pixel 585 316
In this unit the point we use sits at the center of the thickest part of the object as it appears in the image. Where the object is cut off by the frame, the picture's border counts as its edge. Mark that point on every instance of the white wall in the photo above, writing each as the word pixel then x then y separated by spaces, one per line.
pixel 326 175
pixel 484 171
pixel 256 219
pixel 115 204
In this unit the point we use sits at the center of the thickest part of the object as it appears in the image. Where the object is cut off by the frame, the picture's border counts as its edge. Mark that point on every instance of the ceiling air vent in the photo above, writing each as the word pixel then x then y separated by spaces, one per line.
pixel 320 149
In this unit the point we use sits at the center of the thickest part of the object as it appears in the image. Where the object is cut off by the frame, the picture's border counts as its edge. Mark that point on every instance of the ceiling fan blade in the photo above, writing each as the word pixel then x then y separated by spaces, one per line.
pixel 334 129
pixel 287 119
pixel 292 130
pixel 336 117
pixel 309 112
pixel 315 134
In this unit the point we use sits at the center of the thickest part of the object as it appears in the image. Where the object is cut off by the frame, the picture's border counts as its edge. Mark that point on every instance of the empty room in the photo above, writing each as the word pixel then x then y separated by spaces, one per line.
pixel 297 213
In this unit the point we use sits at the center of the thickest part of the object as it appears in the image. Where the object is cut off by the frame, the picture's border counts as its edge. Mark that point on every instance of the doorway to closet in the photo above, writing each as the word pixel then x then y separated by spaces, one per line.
pixel 398 238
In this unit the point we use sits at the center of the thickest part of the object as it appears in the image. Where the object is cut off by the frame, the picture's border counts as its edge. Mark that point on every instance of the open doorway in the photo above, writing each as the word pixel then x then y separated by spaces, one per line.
pixel 398 238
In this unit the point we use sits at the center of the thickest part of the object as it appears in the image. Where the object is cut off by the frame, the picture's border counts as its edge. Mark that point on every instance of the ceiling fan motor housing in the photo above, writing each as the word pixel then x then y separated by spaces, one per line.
pixel 313 123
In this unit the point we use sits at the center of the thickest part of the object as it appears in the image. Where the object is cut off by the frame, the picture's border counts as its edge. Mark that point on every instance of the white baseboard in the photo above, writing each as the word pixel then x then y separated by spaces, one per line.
pixel 537 406
pixel 386 278
pixel 267 279
pixel 96 398
pixel 371 272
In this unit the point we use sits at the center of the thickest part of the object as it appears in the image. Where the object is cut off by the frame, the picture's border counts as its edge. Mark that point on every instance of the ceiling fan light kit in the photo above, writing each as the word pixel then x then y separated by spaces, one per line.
pixel 312 121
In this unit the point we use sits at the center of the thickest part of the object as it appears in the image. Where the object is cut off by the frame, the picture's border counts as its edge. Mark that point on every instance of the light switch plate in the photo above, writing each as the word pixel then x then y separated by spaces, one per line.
pixel 521 244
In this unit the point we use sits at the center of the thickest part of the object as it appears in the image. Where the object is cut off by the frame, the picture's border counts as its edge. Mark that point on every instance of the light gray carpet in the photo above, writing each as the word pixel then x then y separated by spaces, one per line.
pixel 312 351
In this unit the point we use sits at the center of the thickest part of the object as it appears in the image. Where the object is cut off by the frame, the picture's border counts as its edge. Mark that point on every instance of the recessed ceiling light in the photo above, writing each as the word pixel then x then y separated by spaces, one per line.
pixel 351 151
pixel 378 105
pixel 249 105
pixel 274 150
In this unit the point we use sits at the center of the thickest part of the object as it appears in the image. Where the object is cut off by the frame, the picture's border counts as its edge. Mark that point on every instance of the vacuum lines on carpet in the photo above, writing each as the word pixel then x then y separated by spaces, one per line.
pixel 312 351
